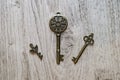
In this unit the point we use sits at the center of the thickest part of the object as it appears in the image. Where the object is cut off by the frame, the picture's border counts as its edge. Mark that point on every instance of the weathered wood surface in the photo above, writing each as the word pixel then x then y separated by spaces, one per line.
pixel 26 21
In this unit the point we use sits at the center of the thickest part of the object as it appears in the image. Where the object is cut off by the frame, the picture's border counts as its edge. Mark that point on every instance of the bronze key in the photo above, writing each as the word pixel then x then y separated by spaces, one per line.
pixel 88 41
pixel 34 50
pixel 58 24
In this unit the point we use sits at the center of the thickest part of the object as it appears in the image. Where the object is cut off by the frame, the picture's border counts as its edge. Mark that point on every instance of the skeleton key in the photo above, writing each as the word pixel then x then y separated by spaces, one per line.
pixel 58 24
pixel 88 41
pixel 35 50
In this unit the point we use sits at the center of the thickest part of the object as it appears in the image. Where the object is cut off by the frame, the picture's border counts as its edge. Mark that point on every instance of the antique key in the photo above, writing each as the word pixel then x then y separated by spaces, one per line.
pixel 88 41
pixel 58 24
pixel 35 50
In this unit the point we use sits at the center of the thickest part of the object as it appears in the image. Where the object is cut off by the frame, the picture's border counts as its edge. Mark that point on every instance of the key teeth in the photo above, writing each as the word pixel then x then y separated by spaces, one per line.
pixel 74 60
pixel 61 57
pixel 40 56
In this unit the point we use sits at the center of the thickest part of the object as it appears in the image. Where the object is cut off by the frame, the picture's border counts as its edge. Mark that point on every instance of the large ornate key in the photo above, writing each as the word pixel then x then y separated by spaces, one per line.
pixel 88 41
pixel 58 24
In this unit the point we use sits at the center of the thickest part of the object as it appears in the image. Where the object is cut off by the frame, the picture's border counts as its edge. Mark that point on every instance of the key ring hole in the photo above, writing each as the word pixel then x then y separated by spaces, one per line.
pixel 85 38
pixel 91 37
pixel 91 42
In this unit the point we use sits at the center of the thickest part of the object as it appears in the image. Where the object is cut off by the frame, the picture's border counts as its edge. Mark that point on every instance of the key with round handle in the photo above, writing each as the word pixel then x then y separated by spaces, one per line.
pixel 88 41
pixel 58 24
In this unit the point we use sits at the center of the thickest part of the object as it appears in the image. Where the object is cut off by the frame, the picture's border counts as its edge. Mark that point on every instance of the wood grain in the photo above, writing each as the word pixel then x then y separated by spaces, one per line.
pixel 26 21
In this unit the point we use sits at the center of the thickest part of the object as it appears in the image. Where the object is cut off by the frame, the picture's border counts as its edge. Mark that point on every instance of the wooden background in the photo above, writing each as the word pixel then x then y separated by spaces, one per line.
pixel 27 21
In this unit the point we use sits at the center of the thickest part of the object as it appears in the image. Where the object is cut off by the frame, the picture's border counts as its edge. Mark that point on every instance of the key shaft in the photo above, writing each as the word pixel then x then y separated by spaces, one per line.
pixel 80 53
pixel 58 48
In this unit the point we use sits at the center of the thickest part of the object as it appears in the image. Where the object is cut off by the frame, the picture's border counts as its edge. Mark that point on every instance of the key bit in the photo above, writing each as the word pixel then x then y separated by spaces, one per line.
pixel 58 24
pixel 61 57
pixel 88 41
pixel 34 50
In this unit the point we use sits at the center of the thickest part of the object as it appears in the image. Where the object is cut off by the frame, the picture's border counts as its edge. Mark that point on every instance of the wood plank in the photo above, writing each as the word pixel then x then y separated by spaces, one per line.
pixel 27 21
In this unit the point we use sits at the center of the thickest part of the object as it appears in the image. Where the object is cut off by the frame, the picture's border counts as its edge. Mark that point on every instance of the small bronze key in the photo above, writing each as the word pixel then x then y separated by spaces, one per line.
pixel 88 41
pixel 58 24
pixel 35 50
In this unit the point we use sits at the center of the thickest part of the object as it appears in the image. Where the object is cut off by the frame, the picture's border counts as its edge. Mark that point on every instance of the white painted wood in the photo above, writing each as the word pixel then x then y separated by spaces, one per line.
pixel 26 21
